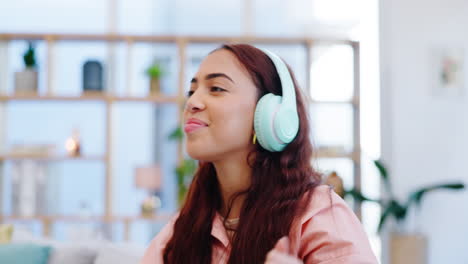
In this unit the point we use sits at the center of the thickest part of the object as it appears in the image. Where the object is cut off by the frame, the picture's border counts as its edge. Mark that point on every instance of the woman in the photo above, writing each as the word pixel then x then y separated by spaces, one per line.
pixel 255 197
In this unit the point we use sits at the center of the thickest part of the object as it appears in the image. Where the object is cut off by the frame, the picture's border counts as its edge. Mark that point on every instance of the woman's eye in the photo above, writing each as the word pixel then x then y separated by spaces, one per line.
pixel 217 89
pixel 212 89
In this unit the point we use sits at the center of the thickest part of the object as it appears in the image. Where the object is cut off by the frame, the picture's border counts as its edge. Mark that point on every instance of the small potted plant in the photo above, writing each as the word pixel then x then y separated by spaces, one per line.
pixel 405 246
pixel 155 72
pixel 184 171
pixel 26 80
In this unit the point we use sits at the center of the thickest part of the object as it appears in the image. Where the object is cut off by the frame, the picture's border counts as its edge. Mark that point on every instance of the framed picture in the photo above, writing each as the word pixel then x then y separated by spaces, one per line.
pixel 449 74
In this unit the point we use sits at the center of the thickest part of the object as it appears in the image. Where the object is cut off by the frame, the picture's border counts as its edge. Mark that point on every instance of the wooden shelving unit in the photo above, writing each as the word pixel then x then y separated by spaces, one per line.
pixel 50 157
pixel 76 218
pixel 47 221
pixel 109 99
pixel 160 99
pixel 332 155
pixel 97 98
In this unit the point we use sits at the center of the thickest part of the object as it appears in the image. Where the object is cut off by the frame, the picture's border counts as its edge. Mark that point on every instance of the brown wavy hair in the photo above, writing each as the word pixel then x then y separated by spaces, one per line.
pixel 280 182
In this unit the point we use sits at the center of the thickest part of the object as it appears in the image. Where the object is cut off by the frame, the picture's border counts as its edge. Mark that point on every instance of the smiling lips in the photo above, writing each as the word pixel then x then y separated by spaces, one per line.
pixel 194 124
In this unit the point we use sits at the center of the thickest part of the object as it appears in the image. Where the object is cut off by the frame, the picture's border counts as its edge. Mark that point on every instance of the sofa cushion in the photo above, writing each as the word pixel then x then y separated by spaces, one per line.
pixel 6 232
pixel 72 255
pixel 24 253
pixel 121 253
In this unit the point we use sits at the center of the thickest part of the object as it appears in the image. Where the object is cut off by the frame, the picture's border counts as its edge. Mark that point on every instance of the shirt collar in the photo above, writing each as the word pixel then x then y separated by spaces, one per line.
pixel 218 231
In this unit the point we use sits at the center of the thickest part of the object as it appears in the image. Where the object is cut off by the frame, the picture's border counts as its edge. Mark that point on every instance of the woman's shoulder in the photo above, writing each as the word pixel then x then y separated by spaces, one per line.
pixel 319 198
pixel 329 230
pixel 154 252
pixel 325 203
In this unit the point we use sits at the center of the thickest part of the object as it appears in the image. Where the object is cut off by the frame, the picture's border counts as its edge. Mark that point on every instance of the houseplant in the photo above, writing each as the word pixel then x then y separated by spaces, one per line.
pixel 184 171
pixel 26 80
pixel 405 246
pixel 391 206
pixel 155 72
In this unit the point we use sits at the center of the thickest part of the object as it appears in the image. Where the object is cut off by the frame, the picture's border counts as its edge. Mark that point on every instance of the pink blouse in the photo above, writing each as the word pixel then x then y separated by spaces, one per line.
pixel 328 233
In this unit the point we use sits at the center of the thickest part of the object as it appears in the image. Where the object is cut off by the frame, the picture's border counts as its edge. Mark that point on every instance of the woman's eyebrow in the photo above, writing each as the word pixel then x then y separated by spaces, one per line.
pixel 213 75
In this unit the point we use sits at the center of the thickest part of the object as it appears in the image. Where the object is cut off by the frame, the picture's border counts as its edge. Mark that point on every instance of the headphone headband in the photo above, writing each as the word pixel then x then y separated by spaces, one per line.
pixel 287 84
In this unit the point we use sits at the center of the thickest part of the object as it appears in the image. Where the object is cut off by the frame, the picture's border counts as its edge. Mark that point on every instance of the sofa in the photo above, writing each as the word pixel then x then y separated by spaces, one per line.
pixel 23 248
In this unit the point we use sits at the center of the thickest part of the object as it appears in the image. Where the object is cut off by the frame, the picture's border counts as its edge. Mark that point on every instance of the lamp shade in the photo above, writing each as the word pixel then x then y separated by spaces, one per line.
pixel 148 178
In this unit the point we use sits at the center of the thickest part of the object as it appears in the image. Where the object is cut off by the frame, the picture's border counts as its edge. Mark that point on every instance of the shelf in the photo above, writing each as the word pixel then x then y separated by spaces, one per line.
pixel 36 97
pixel 154 99
pixel 106 98
pixel 353 102
pixel 325 154
pixel 76 218
pixel 96 97
pixel 318 154
pixel 48 221
pixel 50 157
pixel 169 38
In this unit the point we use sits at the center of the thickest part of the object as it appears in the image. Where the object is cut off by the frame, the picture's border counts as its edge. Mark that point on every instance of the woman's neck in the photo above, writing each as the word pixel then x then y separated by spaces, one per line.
pixel 233 177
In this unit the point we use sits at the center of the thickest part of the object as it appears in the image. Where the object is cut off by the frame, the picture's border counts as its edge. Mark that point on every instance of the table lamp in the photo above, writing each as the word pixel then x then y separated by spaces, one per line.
pixel 149 179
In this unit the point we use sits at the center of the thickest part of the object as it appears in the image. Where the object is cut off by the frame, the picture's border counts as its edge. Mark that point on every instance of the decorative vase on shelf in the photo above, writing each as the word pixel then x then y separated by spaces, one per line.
pixel 26 81
pixel 28 183
pixel 149 178
pixel 336 182
pixel 155 86
pixel 408 248
pixel 73 144
pixel 92 77
pixel 6 233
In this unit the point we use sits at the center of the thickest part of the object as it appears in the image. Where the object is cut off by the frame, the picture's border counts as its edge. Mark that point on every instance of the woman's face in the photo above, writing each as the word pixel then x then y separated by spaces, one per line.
pixel 219 113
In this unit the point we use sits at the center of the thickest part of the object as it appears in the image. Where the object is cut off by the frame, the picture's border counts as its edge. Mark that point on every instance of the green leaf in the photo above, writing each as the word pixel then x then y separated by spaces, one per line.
pixel 189 167
pixel 384 175
pixel 185 173
pixel 394 209
pixel 179 170
pixel 29 56
pixel 383 217
pixel 358 196
pixel 417 196
pixel 399 211
pixel 177 134
pixel 382 169
pixel 155 71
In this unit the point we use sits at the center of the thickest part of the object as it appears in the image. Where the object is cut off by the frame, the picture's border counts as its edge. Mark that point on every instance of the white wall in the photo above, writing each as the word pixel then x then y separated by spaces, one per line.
pixel 425 137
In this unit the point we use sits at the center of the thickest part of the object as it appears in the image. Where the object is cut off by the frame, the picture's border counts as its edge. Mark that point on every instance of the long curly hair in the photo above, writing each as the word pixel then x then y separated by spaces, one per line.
pixel 281 186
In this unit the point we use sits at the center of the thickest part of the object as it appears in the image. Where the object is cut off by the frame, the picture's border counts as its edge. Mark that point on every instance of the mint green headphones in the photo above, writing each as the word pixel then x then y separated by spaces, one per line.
pixel 276 121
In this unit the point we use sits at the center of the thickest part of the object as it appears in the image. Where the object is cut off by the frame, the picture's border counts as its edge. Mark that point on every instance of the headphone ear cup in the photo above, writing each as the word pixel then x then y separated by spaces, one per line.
pixel 286 124
pixel 263 122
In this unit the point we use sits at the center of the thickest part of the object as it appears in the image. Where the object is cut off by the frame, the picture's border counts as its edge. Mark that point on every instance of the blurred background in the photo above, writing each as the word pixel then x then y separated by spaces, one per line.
pixel 91 152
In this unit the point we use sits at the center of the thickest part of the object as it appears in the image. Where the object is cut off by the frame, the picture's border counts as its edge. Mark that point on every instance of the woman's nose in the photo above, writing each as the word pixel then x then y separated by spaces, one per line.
pixel 194 103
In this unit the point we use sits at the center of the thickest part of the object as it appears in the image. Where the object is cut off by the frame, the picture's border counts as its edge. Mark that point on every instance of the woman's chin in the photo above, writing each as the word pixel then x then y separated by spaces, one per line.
pixel 201 155
pixel 198 156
